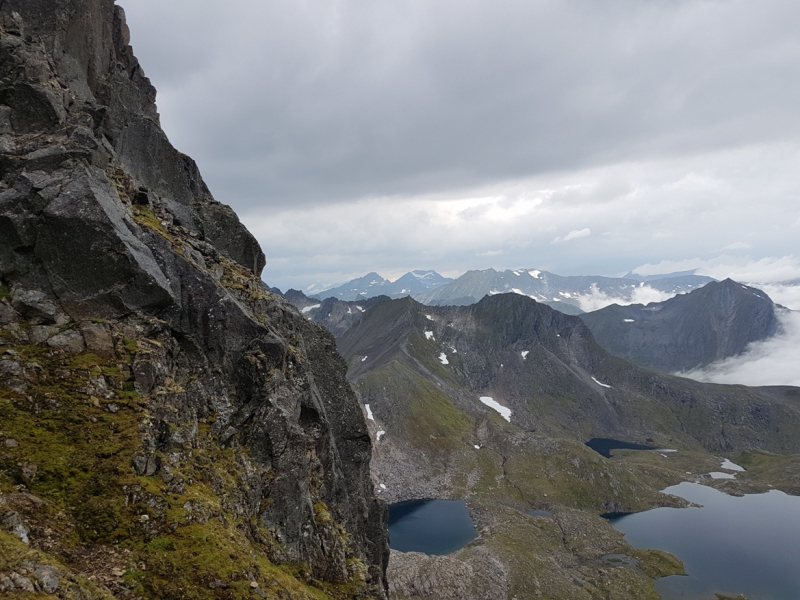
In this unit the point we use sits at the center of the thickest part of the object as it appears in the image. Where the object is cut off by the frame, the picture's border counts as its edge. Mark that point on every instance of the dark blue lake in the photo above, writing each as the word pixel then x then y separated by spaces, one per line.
pixel 604 446
pixel 430 526
pixel 735 545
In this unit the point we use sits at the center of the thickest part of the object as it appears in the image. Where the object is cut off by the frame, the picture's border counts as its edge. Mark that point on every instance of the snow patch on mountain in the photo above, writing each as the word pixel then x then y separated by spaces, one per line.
pixel 492 403
pixel 600 384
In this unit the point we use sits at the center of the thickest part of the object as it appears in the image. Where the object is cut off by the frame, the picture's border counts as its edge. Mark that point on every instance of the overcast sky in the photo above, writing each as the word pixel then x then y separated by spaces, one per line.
pixel 579 137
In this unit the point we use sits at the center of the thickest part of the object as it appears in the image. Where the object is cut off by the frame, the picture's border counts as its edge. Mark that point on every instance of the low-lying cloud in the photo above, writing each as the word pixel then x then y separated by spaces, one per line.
pixel 785 294
pixel 640 295
pixel 775 361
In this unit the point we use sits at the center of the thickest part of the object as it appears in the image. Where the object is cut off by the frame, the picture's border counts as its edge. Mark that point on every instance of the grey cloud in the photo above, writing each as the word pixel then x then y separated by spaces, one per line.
pixel 318 102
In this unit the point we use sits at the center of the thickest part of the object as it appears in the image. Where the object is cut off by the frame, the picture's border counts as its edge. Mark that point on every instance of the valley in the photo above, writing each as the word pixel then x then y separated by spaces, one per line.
pixel 426 374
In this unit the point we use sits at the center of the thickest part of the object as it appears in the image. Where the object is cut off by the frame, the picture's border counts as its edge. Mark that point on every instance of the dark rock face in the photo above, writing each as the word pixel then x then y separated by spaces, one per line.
pixel 114 253
pixel 687 331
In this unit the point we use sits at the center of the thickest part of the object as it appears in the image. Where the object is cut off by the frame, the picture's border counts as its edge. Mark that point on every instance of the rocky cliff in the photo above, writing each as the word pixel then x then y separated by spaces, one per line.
pixel 169 428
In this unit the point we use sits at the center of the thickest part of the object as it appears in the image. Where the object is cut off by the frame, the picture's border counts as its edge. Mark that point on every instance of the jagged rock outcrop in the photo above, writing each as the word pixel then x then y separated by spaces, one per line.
pixel 688 331
pixel 171 426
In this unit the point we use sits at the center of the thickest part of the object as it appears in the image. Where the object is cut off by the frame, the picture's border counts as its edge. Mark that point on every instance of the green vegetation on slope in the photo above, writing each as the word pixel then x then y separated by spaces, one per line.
pixel 68 439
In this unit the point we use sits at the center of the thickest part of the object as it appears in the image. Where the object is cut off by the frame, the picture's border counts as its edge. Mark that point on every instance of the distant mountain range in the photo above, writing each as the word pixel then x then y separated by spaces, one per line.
pixel 372 284
pixel 568 294
pixel 688 331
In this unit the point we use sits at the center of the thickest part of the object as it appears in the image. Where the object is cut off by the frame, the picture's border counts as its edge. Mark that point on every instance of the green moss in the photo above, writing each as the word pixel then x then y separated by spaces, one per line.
pixel 86 360
pixel 83 456
pixel 130 345
pixel 145 217
pixel 14 555
pixel 322 515
pixel 5 292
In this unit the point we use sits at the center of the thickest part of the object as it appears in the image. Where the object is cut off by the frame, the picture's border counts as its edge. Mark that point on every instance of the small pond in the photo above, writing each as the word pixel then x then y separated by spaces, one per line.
pixel 430 526
pixel 736 545
pixel 604 446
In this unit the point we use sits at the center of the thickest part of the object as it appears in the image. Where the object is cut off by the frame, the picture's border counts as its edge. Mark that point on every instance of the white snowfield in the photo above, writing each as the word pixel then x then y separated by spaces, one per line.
pixel 379 435
pixel 443 358
pixel 429 336
pixel 492 403
pixel 629 320
pixel 525 353
pixel 535 274
pixel 363 358
pixel 430 318
pixel 307 309
pixel 601 384
pixel 369 413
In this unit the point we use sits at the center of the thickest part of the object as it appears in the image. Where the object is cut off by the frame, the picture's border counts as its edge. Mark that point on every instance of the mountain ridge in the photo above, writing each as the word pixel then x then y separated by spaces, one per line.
pixel 372 284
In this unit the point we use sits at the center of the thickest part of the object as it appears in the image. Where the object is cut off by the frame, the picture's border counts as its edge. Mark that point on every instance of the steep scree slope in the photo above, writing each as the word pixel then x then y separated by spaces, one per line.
pixel 169 428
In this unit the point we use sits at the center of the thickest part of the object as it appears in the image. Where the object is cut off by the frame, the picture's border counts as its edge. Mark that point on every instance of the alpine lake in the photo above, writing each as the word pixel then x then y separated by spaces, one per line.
pixel 430 526
pixel 745 546
pixel 735 545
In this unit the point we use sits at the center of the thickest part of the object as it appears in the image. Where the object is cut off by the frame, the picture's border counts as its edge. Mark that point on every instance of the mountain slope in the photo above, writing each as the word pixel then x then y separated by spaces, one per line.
pixel 687 331
pixel 170 428
pixel 565 384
